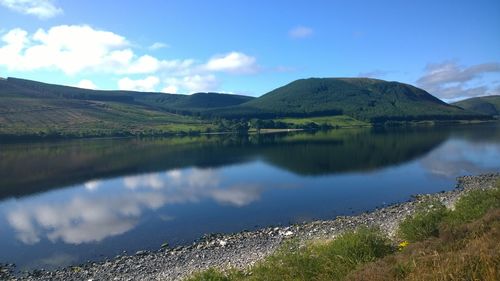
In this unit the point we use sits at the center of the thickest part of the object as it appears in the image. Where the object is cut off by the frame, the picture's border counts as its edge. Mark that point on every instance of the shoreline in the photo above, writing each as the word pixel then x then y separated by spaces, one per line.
pixel 28 137
pixel 240 250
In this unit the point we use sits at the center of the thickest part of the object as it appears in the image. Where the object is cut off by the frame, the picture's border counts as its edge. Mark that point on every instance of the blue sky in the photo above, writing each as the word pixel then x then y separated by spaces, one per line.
pixel 449 48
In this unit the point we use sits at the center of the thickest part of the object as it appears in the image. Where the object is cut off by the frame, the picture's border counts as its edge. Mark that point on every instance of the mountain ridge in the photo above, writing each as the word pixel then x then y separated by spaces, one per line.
pixel 485 104
pixel 367 99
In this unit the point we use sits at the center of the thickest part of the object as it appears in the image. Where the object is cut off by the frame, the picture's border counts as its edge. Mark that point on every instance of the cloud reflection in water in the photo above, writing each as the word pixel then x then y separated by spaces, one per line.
pixel 459 157
pixel 93 216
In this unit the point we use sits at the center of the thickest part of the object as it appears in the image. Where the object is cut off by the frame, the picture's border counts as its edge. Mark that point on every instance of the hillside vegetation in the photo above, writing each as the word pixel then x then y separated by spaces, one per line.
pixel 484 105
pixel 361 98
pixel 30 108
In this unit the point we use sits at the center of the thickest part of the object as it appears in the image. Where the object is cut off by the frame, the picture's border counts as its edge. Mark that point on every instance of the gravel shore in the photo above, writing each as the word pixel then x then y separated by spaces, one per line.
pixel 245 248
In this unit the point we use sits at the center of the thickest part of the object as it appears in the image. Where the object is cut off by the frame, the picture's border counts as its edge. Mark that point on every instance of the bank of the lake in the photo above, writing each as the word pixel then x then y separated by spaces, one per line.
pixel 243 249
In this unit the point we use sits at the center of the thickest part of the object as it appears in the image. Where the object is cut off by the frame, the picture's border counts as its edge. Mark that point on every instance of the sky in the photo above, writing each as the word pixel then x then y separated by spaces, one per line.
pixel 449 48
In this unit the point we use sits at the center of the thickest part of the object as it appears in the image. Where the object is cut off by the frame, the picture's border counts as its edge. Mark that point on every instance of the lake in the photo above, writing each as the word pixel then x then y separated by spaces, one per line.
pixel 66 202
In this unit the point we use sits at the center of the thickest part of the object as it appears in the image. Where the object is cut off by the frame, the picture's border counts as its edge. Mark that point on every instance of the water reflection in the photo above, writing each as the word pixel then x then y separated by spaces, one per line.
pixel 30 168
pixel 459 157
pixel 92 216
pixel 66 202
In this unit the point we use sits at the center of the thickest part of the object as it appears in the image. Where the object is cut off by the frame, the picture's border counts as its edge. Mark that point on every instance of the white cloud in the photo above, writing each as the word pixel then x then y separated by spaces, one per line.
pixel 43 9
pixel 451 81
pixel 82 49
pixel 233 62
pixel 170 89
pixel 144 64
pixel 70 49
pixel 192 84
pixel 300 32
pixel 73 49
pixel 158 45
pixel 147 84
pixel 86 84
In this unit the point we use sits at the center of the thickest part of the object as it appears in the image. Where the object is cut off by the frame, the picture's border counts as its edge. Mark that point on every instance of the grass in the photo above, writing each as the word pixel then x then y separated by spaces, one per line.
pixel 468 251
pixel 424 223
pixel 430 219
pixel 331 260
pixel 339 121
pixel 460 244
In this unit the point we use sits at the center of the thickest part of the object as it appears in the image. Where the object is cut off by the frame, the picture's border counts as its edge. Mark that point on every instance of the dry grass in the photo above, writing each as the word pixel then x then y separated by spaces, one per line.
pixel 466 252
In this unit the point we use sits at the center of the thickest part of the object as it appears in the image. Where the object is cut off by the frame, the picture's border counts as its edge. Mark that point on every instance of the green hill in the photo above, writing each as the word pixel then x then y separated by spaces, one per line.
pixel 485 105
pixel 30 108
pixel 364 99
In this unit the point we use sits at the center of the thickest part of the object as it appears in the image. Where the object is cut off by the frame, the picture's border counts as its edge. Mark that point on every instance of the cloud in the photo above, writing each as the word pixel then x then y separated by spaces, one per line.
pixel 233 62
pixel 449 80
pixel 170 89
pixel 147 84
pixel 70 49
pixel 300 32
pixel 86 84
pixel 42 9
pixel 158 45
pixel 193 83
pixel 82 49
pixel 73 49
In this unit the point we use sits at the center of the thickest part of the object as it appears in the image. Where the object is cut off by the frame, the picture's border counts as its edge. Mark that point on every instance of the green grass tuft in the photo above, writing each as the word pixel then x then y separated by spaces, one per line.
pixel 424 224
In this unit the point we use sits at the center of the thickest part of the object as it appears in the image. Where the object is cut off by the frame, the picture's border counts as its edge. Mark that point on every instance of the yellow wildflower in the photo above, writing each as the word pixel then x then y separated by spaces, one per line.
pixel 403 244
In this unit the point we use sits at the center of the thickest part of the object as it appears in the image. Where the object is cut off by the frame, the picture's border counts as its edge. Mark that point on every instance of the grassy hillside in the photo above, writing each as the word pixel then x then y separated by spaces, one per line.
pixel 361 98
pixel 485 105
pixel 30 108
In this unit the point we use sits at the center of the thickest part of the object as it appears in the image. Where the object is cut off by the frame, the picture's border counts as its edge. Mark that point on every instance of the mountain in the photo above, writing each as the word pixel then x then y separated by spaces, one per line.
pixel 40 109
pixel 31 108
pixel 485 105
pixel 27 88
pixel 362 98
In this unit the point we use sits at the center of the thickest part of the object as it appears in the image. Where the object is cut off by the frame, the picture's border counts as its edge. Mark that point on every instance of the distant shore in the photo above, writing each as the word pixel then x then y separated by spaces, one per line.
pixel 243 249
pixel 16 136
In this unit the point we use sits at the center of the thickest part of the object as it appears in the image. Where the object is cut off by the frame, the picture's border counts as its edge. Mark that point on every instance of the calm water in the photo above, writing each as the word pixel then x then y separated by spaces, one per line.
pixel 66 202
